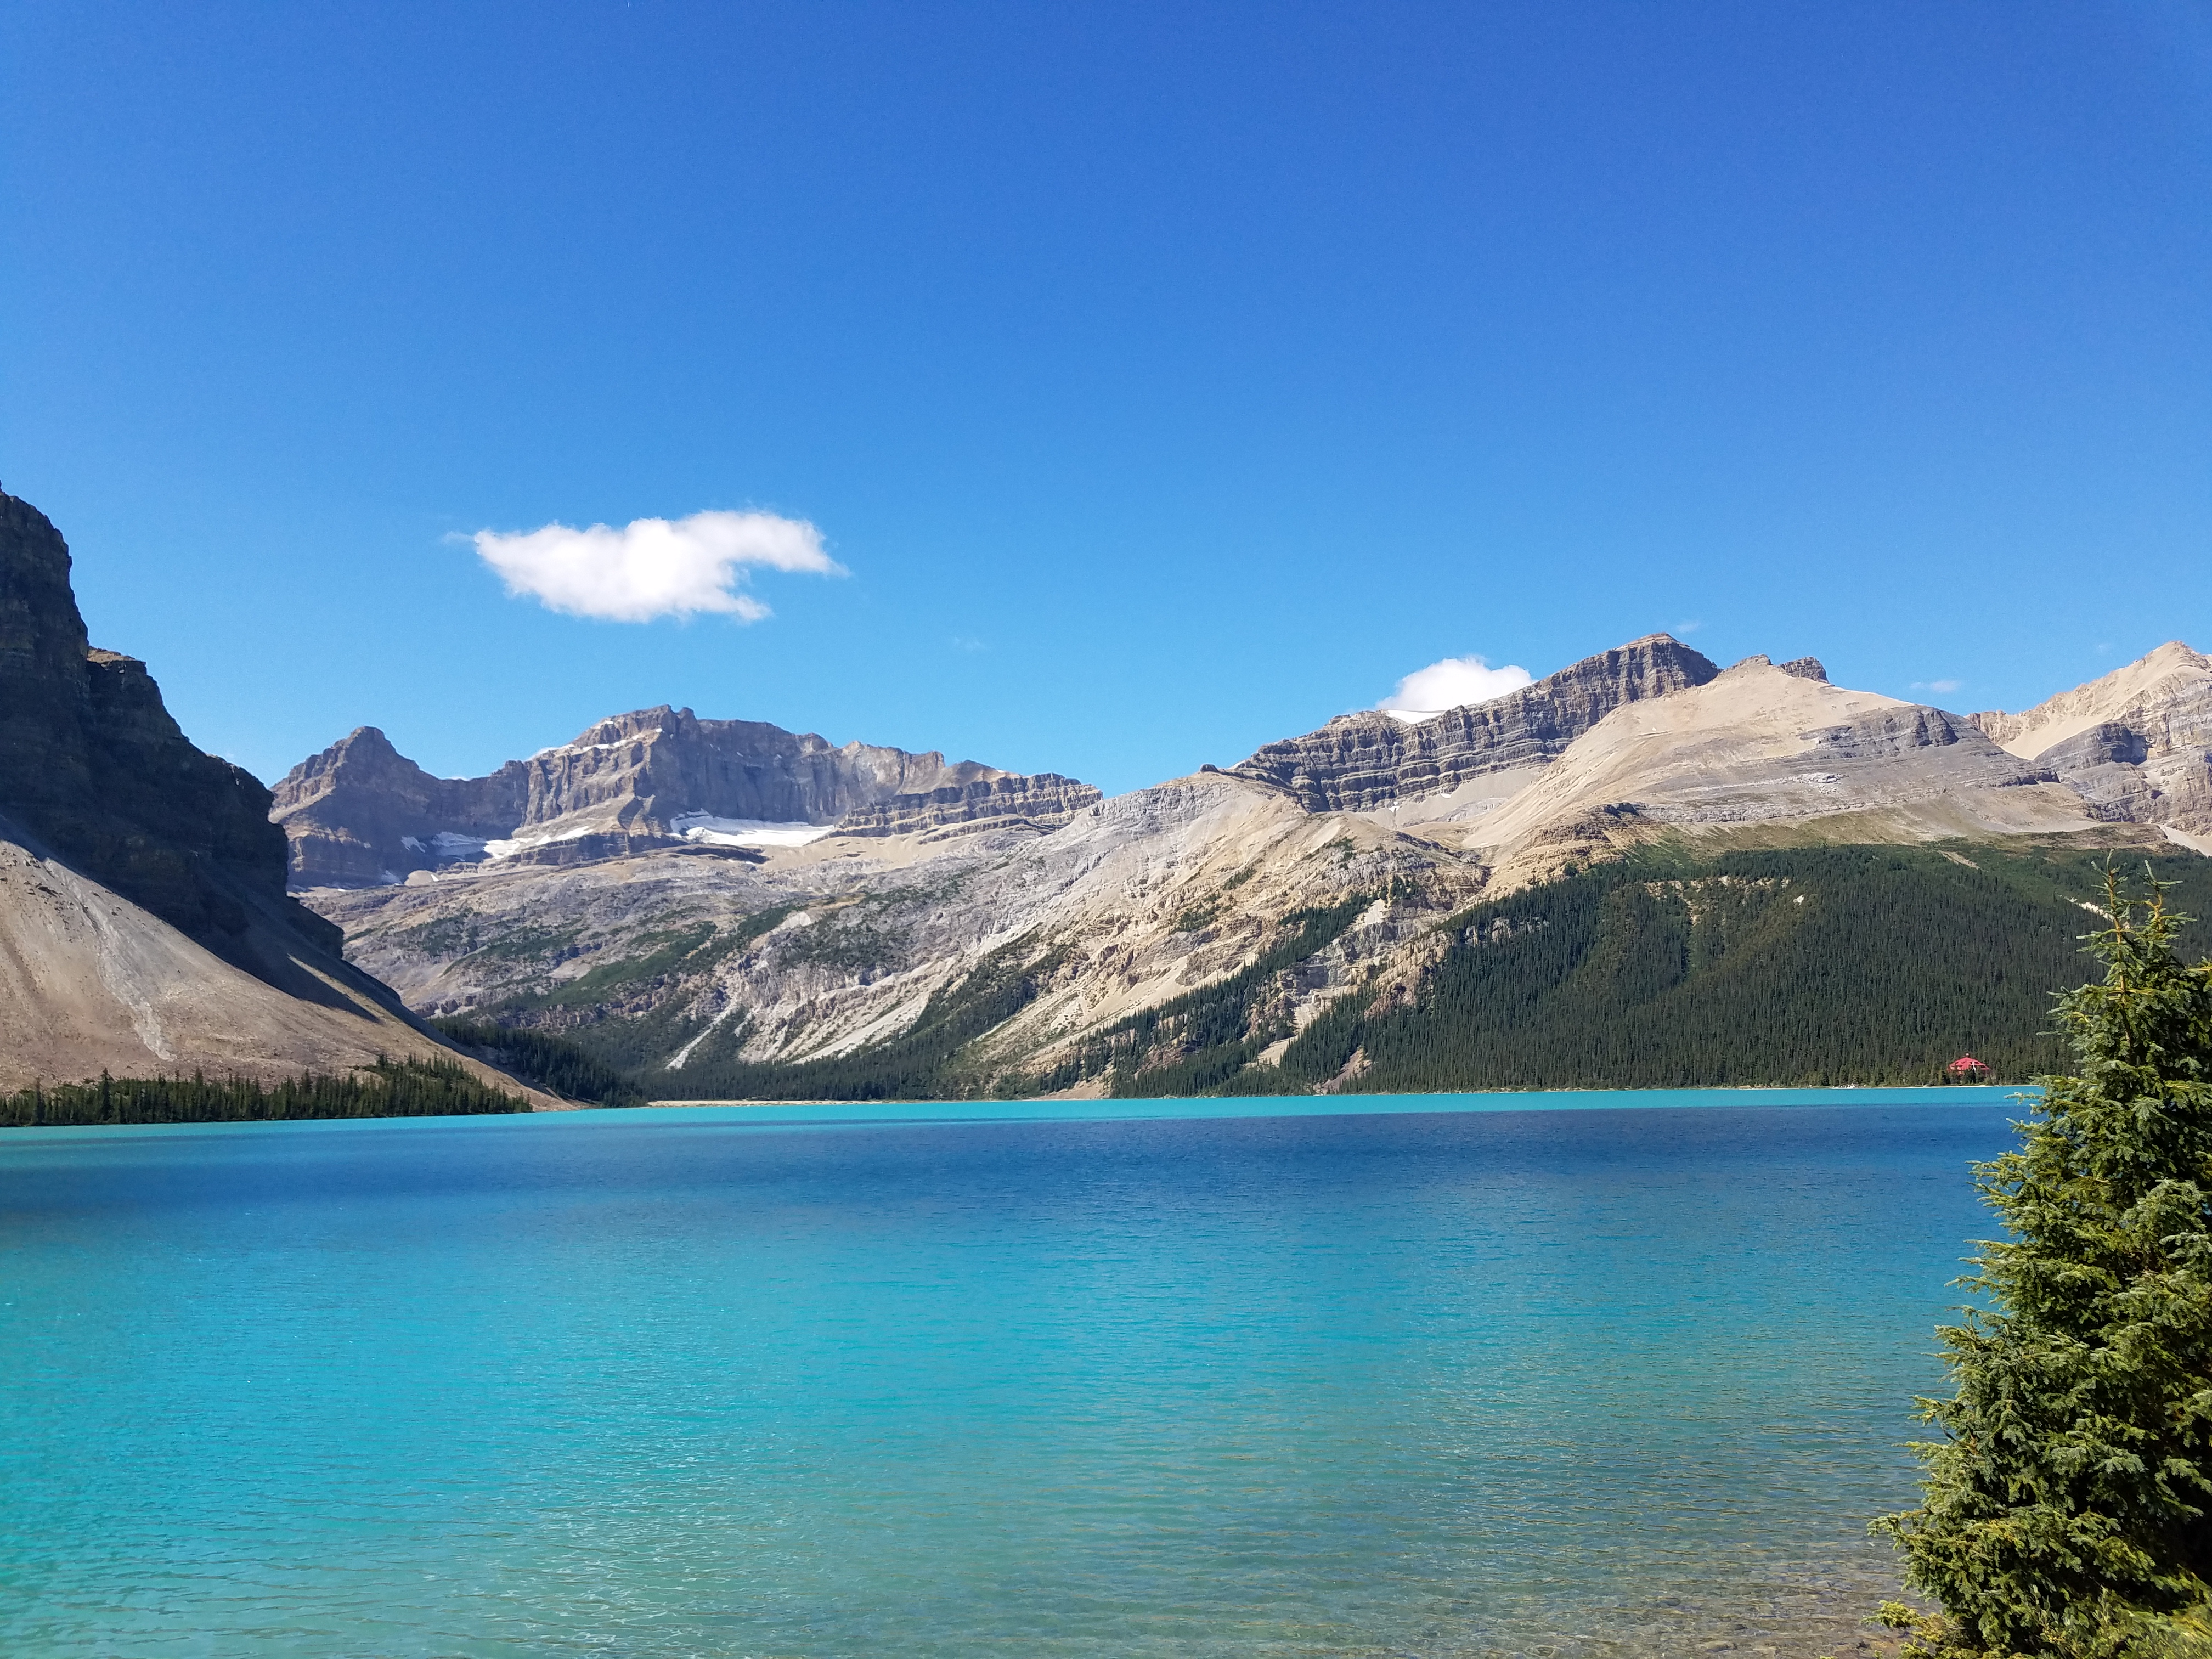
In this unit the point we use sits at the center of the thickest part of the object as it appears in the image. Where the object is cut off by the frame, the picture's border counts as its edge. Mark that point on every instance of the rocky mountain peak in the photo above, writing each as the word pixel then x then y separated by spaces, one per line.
pixel 1801 668
pixel 1362 761
pixel 638 724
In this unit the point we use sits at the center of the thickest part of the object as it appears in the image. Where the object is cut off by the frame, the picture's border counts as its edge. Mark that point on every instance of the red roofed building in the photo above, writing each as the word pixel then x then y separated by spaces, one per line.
pixel 1965 1069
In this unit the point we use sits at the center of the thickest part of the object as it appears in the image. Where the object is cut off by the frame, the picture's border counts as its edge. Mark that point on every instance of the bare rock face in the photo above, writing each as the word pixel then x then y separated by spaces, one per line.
pixel 345 811
pixel 360 814
pixel 1889 733
pixel 2136 745
pixel 1041 800
pixel 658 764
pixel 1359 761
pixel 144 926
pixel 93 766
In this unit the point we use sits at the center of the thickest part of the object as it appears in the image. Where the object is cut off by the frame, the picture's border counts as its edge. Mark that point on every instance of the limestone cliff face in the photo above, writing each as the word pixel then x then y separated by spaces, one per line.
pixel 144 926
pixel 1041 800
pixel 2136 745
pixel 93 766
pixel 360 814
pixel 1359 761
pixel 655 765
pixel 350 812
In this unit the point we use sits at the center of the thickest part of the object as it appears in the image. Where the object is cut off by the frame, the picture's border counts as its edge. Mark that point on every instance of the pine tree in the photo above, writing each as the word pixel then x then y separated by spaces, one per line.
pixel 2067 1511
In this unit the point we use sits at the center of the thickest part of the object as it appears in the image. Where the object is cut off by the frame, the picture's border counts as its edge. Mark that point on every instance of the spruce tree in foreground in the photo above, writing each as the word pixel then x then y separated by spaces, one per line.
pixel 2067 1509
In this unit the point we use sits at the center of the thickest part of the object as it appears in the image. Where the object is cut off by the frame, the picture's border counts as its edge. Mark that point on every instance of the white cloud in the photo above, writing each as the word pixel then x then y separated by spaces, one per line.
pixel 1937 685
pixel 1447 684
pixel 654 567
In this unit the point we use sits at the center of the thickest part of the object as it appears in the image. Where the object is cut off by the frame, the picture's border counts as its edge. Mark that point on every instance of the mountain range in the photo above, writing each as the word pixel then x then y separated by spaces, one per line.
pixel 1027 950
pixel 361 814
pixel 723 908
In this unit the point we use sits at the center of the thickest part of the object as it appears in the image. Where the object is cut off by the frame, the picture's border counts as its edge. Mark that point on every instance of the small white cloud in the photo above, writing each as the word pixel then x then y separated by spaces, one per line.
pixel 654 567
pixel 1449 683
pixel 967 643
pixel 1682 628
pixel 1937 685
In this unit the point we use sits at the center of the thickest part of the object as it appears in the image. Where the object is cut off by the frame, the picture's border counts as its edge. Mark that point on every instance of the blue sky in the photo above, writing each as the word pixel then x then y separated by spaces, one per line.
pixel 1164 378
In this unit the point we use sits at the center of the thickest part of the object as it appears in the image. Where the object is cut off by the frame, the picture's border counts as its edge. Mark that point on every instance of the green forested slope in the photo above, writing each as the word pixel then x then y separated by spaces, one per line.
pixel 549 1062
pixel 1817 965
pixel 404 1088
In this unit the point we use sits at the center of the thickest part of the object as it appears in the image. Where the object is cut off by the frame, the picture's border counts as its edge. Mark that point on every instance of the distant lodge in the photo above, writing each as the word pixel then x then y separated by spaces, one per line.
pixel 1966 1069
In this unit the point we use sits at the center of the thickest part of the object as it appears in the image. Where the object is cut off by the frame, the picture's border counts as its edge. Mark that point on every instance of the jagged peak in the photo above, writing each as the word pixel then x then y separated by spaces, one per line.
pixel 1361 761
pixel 635 723
pixel 366 741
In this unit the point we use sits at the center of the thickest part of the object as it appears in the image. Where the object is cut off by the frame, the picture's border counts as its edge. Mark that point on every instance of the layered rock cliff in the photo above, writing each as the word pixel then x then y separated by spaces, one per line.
pixel 144 925
pixel 1040 800
pixel 92 764
pixel 360 814
pixel 1360 762
pixel 2136 745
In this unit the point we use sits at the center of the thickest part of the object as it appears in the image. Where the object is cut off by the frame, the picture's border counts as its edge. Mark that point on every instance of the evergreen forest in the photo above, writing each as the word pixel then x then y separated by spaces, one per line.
pixel 389 1088
pixel 1813 966
pixel 543 1061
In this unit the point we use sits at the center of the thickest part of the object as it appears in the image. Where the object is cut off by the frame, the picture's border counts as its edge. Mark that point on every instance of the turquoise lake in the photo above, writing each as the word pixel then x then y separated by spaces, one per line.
pixel 1435 1376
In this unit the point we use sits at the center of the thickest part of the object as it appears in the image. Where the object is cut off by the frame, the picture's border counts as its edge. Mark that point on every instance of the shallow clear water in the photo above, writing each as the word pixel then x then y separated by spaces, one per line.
pixel 687 1383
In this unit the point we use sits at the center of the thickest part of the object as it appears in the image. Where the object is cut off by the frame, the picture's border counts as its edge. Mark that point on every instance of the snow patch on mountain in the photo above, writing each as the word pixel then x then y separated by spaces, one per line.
pixel 707 830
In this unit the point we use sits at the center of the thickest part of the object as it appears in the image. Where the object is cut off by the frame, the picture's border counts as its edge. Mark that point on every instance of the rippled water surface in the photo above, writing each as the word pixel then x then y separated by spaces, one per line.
pixel 678 1382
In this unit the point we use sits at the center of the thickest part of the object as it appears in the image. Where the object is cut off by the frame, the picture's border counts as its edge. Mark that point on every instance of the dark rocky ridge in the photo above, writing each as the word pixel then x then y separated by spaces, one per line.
pixel 1358 762
pixel 93 766
pixel 361 814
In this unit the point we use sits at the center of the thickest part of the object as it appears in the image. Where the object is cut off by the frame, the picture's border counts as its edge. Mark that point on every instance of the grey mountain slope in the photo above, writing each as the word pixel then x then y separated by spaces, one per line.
pixel 92 982
pixel 861 937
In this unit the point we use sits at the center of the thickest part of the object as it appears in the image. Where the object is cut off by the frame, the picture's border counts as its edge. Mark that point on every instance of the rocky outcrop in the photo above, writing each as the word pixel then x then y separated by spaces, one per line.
pixel 2135 744
pixel 360 814
pixel 1764 751
pixel 1042 800
pixel 1892 733
pixel 92 765
pixel 1359 761
pixel 144 926
pixel 659 764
